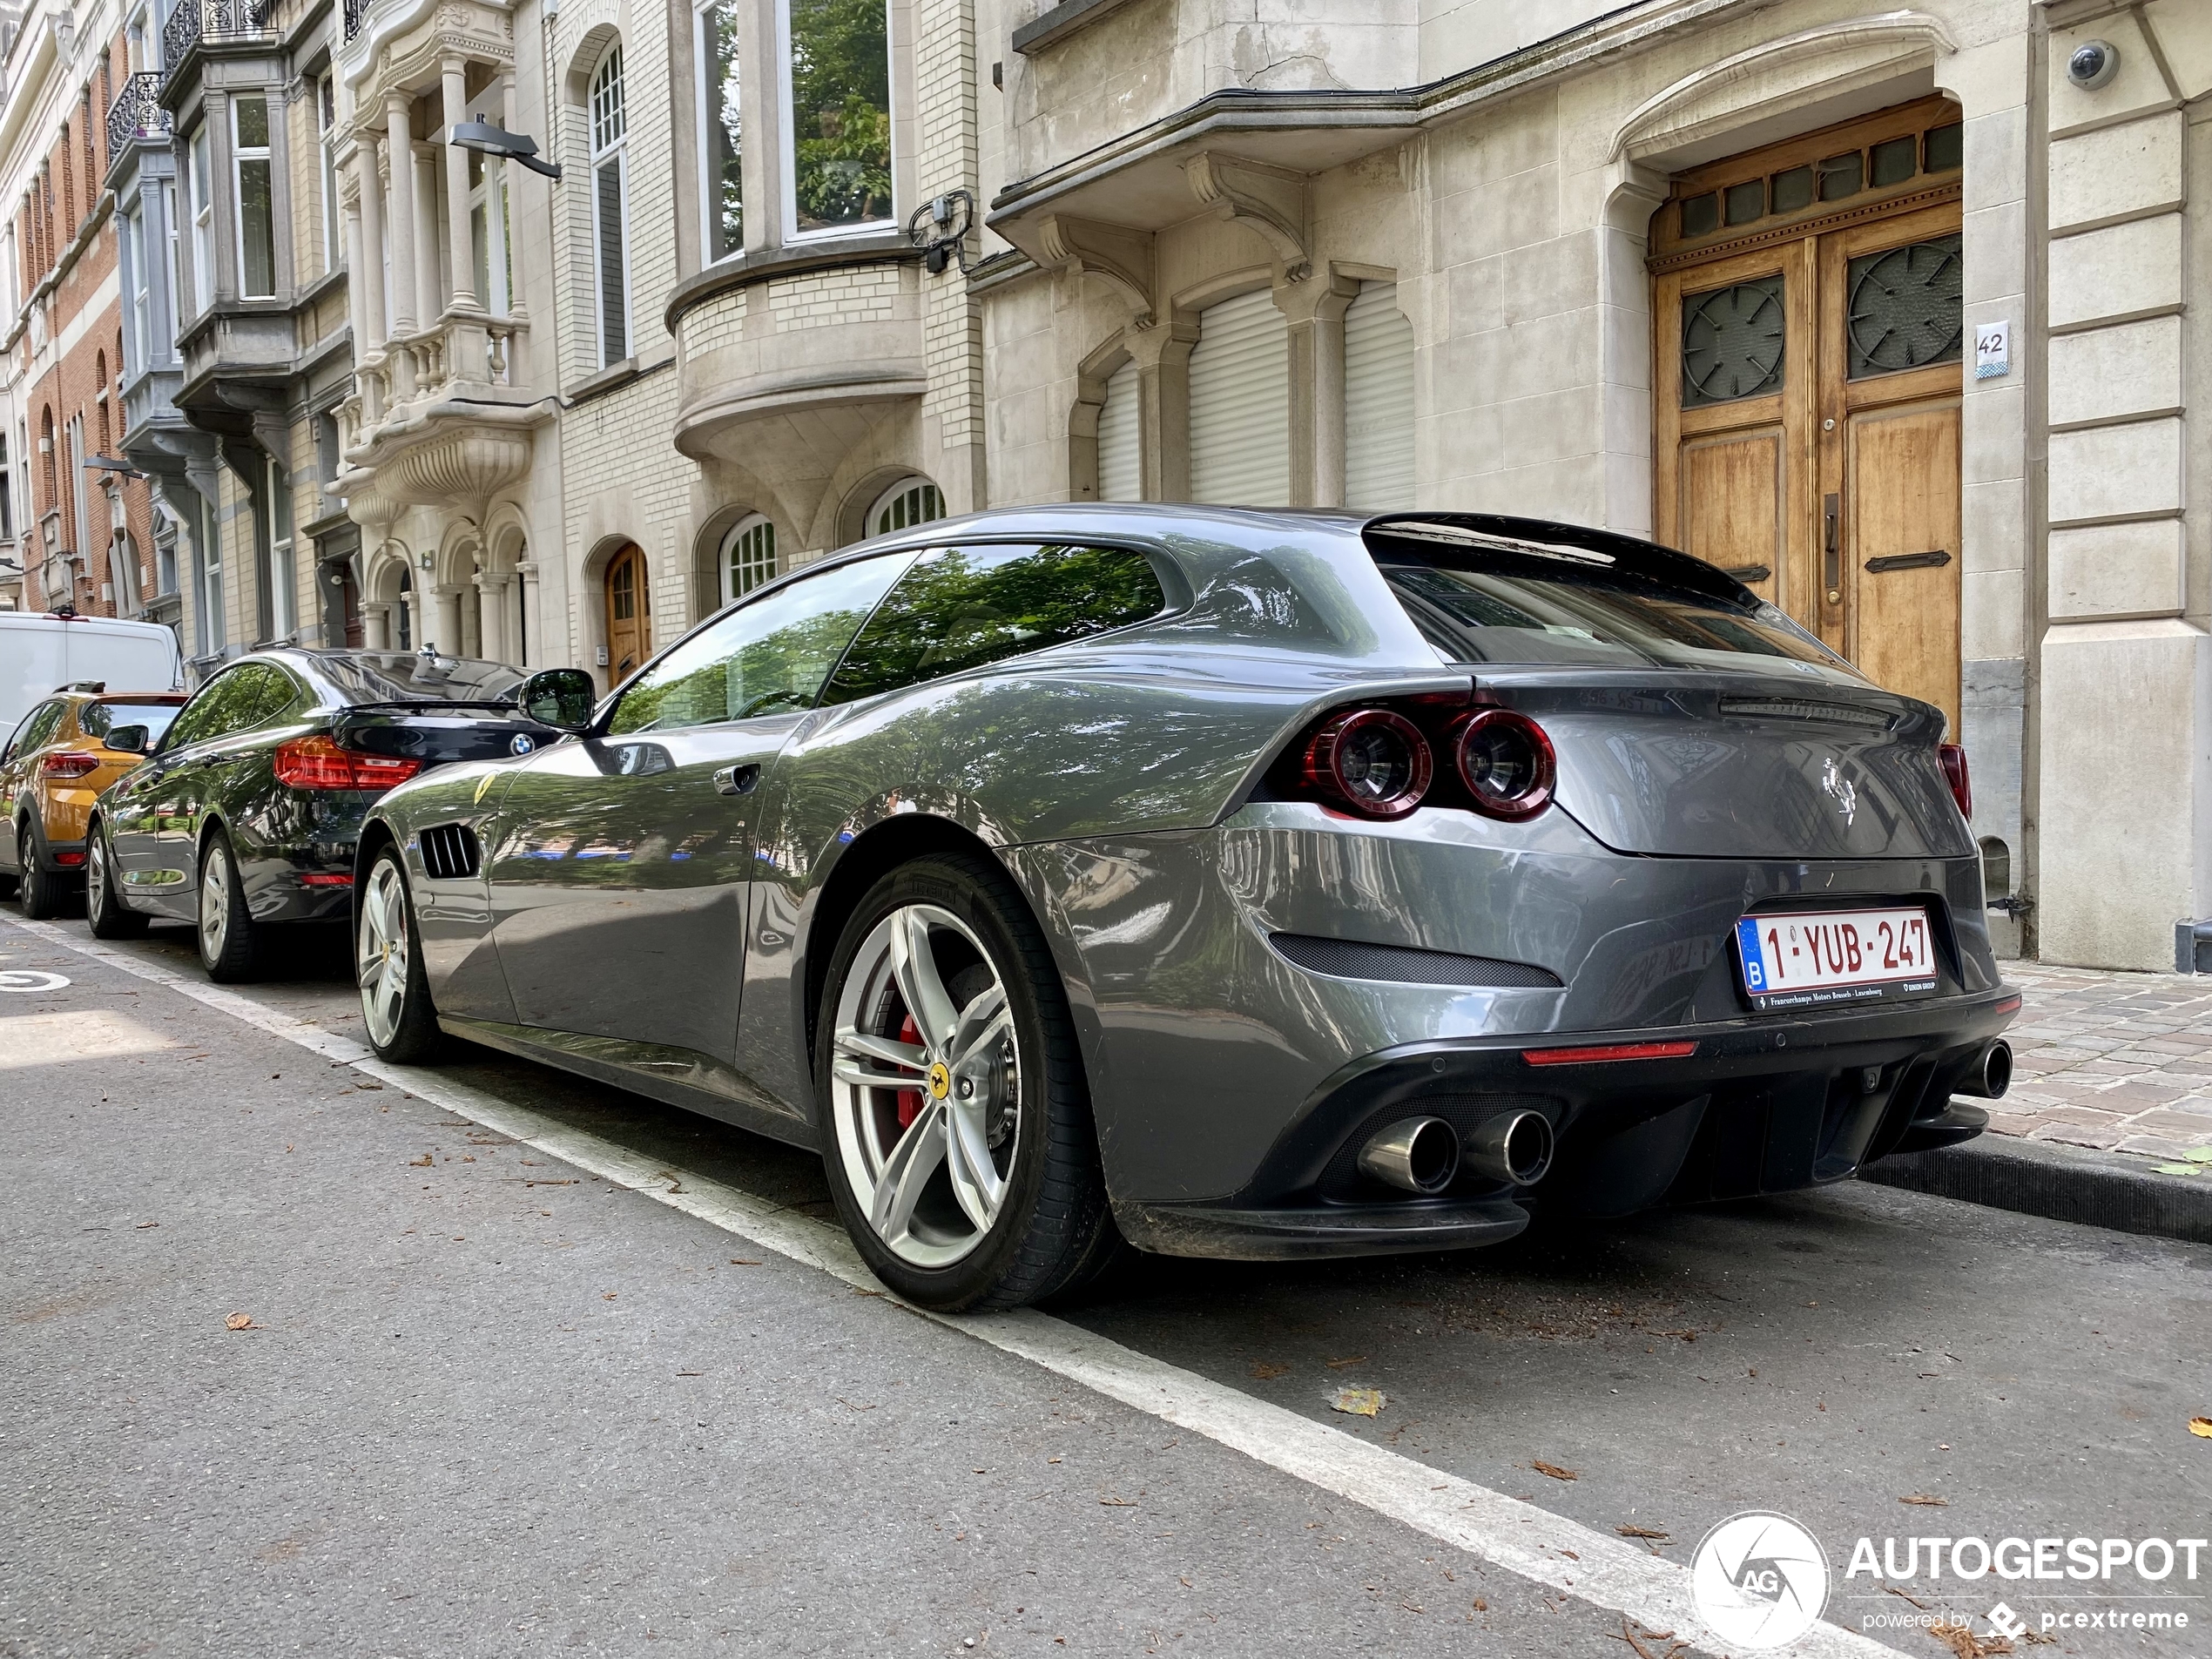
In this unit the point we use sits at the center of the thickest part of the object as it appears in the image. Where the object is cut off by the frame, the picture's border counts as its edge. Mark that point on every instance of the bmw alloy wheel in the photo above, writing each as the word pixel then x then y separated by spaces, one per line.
pixel 215 903
pixel 925 1096
pixel 382 953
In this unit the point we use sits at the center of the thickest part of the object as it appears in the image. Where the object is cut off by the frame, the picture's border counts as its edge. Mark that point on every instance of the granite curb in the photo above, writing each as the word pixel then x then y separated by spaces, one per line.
pixel 2110 1190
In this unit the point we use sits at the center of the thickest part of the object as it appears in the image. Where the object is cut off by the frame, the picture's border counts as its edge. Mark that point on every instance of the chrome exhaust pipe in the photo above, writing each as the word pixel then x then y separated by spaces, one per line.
pixel 1417 1154
pixel 1514 1147
pixel 1990 1076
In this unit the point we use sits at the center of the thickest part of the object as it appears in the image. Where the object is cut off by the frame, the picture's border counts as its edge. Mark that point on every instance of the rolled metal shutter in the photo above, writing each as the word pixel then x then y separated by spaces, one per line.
pixel 1240 404
pixel 1378 400
pixel 1121 476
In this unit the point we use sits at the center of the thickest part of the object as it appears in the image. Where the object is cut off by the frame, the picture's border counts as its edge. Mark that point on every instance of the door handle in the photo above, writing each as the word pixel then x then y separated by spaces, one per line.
pixel 737 780
pixel 1907 561
pixel 1832 574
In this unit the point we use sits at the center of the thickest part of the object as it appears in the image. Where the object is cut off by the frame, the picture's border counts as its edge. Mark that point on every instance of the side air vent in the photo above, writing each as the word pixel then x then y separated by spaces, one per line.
pixel 1791 708
pixel 1401 964
pixel 449 850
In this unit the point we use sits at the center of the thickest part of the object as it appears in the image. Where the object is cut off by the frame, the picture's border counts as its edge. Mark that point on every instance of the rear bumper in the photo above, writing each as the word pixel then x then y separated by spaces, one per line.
pixel 314 883
pixel 1760 1106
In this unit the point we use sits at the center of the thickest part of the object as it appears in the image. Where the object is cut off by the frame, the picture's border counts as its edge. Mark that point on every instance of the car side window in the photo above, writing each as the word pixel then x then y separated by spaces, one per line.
pixel 962 607
pixel 767 657
pixel 235 700
pixel 36 727
pixel 275 691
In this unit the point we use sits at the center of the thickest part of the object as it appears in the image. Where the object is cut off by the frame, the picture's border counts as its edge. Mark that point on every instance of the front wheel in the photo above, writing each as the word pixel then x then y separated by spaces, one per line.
pixel 104 907
pixel 387 964
pixel 961 1151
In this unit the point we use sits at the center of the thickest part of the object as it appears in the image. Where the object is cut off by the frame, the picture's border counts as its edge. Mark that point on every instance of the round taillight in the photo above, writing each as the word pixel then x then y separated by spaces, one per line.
pixel 1506 763
pixel 1372 762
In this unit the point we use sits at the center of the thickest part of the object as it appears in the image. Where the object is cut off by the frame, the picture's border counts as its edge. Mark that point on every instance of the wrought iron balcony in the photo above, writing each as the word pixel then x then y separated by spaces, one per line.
pixel 135 118
pixel 194 21
pixel 356 14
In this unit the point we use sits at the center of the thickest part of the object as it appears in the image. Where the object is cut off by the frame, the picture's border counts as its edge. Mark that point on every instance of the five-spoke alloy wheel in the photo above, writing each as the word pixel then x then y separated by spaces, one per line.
pixel 960 1149
pixel 229 941
pixel 104 907
pixel 388 960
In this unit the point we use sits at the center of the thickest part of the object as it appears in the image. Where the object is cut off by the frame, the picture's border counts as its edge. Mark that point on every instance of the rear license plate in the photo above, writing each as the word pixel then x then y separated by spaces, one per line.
pixel 1805 959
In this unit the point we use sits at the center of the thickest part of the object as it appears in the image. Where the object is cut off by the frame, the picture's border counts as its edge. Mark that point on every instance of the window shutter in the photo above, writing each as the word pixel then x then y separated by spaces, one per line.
pixel 614 320
pixel 1121 473
pixel 1240 404
pixel 1378 401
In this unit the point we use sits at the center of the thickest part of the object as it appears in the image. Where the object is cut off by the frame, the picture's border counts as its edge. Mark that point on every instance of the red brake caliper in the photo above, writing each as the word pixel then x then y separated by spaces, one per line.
pixel 909 1099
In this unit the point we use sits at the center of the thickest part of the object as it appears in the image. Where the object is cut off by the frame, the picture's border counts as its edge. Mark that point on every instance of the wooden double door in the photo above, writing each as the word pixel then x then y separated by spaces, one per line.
pixel 1808 326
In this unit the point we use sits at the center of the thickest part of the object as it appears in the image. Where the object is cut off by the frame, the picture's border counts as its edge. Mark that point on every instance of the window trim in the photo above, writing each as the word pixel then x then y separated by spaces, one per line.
pixel 334 234
pixel 710 205
pixel 241 153
pixel 199 166
pixel 615 151
pixel 905 486
pixel 743 527
pixel 490 192
pixel 787 140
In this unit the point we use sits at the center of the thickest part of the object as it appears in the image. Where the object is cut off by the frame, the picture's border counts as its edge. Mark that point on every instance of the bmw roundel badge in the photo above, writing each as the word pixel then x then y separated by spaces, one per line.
pixel 523 744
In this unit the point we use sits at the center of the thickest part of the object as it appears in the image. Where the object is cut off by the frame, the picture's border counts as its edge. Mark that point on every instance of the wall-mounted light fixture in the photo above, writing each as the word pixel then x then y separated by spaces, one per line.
pixel 497 142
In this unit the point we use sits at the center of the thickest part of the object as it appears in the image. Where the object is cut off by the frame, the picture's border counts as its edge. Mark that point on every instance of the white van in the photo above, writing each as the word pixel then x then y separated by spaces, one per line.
pixel 40 653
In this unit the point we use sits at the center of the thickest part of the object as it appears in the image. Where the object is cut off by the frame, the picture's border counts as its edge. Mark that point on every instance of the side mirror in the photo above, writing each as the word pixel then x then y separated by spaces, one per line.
pixel 561 698
pixel 127 739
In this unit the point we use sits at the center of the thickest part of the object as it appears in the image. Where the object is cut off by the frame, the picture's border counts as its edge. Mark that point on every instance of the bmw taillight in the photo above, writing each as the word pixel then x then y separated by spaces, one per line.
pixel 318 762
pixel 1372 762
pixel 1506 763
pixel 69 764
pixel 1952 758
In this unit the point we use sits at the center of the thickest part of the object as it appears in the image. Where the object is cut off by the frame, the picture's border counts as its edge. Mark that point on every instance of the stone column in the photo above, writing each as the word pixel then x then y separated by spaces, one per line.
pixel 526 571
pixel 460 250
pixel 369 251
pixel 427 284
pixel 402 263
pixel 492 586
pixel 1162 357
pixel 1315 308
pixel 376 625
pixel 448 638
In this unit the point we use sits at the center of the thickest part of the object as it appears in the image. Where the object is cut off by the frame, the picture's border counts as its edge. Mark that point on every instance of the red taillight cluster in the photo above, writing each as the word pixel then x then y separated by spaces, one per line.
pixel 69 764
pixel 1952 758
pixel 318 762
pixel 1380 763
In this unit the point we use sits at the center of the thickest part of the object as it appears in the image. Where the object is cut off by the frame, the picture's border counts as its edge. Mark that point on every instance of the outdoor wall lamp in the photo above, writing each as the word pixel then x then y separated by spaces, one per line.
pixel 109 463
pixel 487 139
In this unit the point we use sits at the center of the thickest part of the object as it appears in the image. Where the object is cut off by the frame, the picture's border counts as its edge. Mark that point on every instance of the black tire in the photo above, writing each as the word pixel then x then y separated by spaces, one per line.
pixel 413 1037
pixel 104 911
pixel 1053 1225
pixel 46 893
pixel 231 952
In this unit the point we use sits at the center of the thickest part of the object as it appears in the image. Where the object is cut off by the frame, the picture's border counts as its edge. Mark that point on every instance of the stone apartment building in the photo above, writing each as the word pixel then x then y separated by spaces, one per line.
pixel 82 525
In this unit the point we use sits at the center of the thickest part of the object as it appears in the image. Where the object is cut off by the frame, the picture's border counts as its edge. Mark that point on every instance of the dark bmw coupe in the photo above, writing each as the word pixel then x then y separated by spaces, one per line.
pixel 1243 884
pixel 243 815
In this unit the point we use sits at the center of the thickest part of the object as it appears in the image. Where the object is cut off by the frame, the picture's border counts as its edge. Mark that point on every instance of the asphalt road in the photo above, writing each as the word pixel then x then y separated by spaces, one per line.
pixel 491 1402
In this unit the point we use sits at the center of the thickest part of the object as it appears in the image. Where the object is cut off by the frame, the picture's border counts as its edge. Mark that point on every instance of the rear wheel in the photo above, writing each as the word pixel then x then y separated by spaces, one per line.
pixel 961 1151
pixel 229 941
pixel 387 965
pixel 103 906
pixel 46 893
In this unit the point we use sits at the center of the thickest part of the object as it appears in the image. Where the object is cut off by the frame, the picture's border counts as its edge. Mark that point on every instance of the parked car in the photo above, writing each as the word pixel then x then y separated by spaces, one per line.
pixel 1244 884
pixel 40 650
pixel 244 816
pixel 55 765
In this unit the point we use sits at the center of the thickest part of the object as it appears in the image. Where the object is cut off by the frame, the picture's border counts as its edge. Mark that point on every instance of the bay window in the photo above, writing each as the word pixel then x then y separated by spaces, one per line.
pixel 610 207
pixel 334 232
pixel 203 221
pixel 837 121
pixel 138 287
pixel 722 186
pixel 487 233
pixel 256 210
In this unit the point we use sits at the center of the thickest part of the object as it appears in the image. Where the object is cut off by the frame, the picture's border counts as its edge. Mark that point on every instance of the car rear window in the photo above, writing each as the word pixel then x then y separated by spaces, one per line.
pixel 410 677
pixel 1502 602
pixel 97 720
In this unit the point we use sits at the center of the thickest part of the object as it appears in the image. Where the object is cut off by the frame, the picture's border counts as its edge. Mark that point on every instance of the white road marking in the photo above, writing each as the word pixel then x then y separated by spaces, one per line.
pixel 1534 1544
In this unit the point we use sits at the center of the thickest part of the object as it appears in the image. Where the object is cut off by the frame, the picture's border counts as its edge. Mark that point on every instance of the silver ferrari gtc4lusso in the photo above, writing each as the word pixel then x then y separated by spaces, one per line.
pixel 1236 884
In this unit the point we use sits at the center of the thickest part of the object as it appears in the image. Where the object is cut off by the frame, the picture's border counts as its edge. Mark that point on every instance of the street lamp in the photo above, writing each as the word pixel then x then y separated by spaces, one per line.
pixel 109 463
pixel 487 139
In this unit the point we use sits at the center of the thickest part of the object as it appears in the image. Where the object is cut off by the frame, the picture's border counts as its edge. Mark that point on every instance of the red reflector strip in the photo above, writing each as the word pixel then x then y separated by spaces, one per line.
pixel 2008 1004
pixel 1609 1051
pixel 325 881
pixel 69 858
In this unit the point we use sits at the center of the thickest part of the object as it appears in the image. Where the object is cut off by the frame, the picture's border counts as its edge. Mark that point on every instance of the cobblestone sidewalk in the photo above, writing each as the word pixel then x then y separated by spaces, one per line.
pixel 2114 1061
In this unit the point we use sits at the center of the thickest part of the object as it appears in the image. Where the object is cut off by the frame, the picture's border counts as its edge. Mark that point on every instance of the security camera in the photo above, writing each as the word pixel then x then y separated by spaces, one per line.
pixel 2094 64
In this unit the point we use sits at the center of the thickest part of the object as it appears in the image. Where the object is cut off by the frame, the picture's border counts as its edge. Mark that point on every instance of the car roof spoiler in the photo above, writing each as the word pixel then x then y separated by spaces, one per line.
pixel 1628 553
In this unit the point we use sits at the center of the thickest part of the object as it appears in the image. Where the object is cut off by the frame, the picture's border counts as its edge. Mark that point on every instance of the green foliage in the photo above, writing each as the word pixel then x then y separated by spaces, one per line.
pixel 840 94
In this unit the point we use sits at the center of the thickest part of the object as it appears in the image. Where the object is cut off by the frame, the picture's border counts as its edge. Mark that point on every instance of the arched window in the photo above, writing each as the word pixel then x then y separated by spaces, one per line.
pixel 748 556
pixel 610 207
pixel 1120 468
pixel 1240 404
pixel 911 501
pixel 1378 400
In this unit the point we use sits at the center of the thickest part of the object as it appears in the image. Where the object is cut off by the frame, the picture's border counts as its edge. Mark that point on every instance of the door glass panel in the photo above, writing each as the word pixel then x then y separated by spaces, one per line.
pixel 1701 214
pixel 1731 342
pixel 769 656
pixel 1793 190
pixel 1746 201
pixel 1945 148
pixel 1904 308
pixel 1895 161
pixel 1842 175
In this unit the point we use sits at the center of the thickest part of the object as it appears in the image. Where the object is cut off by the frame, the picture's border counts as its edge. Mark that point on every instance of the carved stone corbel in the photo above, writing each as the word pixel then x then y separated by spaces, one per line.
pixel 1271 200
pixel 1122 256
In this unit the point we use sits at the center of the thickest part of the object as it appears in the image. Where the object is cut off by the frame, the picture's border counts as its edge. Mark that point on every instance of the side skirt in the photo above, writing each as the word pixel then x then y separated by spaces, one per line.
pixel 681 1077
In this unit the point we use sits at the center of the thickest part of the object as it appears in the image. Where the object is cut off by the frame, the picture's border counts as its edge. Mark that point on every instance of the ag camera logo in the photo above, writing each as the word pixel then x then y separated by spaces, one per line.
pixel 1760 1580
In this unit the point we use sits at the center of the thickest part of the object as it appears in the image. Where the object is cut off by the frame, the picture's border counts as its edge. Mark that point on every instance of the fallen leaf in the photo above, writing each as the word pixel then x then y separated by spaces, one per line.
pixel 1266 1373
pixel 1626 1531
pixel 1961 1639
pixel 2201 1428
pixel 1349 1359
pixel 1481 1606
pixel 2198 1155
pixel 1358 1402
pixel 241 1322
pixel 422 1162
pixel 143 1226
pixel 1931 1502
pixel 1119 1503
pixel 2177 1169
pixel 1554 1470
pixel 609 1296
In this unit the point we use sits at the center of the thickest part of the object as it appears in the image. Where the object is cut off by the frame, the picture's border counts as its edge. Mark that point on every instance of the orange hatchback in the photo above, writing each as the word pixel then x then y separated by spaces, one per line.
pixel 53 768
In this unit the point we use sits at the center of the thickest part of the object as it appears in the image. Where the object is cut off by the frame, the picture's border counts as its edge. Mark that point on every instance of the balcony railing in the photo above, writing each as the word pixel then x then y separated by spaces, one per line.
pixel 135 118
pixel 194 21
pixel 356 14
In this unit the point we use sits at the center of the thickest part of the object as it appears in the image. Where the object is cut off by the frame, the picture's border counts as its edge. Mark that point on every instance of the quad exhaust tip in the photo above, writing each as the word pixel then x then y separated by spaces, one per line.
pixel 1992 1075
pixel 1513 1147
pixel 1415 1154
